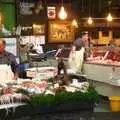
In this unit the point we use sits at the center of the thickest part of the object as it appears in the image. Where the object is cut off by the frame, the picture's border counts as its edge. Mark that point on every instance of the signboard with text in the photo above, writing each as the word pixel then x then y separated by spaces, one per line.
pixel 61 31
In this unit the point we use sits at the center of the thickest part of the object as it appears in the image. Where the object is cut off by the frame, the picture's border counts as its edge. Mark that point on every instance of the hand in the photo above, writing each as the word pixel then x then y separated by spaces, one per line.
pixel 15 76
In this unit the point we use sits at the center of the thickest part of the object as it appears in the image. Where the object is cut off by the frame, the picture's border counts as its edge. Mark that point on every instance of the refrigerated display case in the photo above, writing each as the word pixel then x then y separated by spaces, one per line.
pixel 104 55
pixel 102 68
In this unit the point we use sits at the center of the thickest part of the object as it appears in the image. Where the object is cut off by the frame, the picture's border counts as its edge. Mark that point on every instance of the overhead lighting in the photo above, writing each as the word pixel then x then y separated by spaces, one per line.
pixel 62 14
pixel 74 23
pixel 109 17
pixel 90 21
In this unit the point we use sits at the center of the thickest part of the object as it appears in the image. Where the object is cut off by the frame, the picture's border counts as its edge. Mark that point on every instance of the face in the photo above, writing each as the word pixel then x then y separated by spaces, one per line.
pixel 2 47
pixel 85 37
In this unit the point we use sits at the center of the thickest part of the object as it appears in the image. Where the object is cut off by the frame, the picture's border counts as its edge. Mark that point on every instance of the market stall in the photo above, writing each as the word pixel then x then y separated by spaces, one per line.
pixel 103 69
pixel 46 91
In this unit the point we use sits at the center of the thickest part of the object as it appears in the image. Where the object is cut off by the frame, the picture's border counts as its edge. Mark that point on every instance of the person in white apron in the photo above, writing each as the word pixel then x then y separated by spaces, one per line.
pixel 77 54
pixel 8 64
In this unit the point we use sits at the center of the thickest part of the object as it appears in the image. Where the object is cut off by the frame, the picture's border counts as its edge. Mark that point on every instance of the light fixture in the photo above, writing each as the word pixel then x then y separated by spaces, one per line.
pixel 62 14
pixel 109 17
pixel 90 21
pixel 74 23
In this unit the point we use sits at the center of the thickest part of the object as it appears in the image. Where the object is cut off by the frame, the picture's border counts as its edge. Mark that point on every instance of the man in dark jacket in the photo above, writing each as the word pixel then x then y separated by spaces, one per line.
pixel 8 58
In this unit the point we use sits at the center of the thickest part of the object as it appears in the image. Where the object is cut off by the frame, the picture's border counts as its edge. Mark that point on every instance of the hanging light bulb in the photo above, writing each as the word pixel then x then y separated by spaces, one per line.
pixel 109 17
pixel 90 21
pixel 74 23
pixel 62 14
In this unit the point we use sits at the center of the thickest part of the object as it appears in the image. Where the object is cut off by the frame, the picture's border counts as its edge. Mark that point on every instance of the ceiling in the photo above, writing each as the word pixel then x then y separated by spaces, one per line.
pixel 96 8
pixel 84 8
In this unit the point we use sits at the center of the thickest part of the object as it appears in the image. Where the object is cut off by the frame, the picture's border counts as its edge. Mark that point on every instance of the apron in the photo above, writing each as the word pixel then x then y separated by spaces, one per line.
pixel 75 60
pixel 6 74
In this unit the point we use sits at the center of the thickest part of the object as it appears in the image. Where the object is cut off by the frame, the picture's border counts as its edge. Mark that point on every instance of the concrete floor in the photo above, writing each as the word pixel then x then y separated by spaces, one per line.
pixel 102 107
pixel 101 112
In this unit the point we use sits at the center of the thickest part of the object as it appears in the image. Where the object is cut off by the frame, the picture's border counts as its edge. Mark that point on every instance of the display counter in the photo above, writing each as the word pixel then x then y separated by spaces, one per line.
pixel 105 78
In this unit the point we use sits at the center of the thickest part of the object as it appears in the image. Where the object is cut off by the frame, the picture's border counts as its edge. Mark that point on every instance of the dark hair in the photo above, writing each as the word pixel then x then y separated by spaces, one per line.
pixel 78 35
pixel 84 33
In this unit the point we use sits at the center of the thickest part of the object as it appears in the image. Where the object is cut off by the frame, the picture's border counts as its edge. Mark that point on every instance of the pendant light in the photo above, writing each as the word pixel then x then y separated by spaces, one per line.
pixel 62 14
pixel 74 23
pixel 90 21
pixel 109 17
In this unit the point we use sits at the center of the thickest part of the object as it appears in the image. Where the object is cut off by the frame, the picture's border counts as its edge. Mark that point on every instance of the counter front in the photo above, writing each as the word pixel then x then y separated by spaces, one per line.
pixel 106 78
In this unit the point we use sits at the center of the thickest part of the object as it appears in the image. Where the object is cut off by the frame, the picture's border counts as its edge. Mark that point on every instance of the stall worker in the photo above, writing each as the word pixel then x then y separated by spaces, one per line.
pixel 82 41
pixel 7 58
pixel 77 54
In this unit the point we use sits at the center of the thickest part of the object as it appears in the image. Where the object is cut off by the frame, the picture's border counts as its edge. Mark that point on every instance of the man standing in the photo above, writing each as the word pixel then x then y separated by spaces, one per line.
pixel 8 58
pixel 77 54
pixel 81 41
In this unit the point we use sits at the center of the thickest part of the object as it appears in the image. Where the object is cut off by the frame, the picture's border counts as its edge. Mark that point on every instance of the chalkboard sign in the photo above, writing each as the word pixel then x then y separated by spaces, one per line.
pixel 31 14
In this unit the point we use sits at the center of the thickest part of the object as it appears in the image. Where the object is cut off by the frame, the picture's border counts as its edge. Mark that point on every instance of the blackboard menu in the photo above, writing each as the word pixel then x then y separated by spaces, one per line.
pixel 30 12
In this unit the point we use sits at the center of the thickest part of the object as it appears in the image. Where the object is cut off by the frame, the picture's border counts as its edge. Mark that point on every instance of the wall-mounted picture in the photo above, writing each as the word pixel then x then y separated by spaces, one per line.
pixel 61 31
pixel 51 12
pixel 38 29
